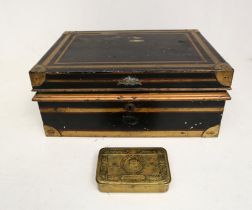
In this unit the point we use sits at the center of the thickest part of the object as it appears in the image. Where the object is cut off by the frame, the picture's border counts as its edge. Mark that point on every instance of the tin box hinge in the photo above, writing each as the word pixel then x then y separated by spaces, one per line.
pixel 129 81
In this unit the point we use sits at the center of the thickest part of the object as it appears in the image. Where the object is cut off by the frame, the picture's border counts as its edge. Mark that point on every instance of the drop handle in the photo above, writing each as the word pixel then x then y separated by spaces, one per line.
pixel 130 120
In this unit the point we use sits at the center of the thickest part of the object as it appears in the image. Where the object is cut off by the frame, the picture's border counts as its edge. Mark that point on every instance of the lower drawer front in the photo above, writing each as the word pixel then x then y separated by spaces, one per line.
pixel 183 118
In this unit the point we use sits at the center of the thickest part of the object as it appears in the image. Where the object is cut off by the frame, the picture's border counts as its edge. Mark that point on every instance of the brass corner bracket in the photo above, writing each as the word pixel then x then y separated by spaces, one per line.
pixel 51 131
pixel 37 75
pixel 224 75
pixel 212 131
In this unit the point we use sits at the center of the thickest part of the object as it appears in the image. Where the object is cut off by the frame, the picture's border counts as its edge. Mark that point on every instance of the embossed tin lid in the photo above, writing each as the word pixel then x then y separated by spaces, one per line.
pixel 133 170
pixel 110 61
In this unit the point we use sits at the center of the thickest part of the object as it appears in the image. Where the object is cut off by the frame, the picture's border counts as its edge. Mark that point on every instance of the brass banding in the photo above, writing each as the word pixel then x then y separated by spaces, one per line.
pixel 125 65
pixel 116 110
pixel 132 133
pixel 147 80
pixel 181 96
pixel 92 90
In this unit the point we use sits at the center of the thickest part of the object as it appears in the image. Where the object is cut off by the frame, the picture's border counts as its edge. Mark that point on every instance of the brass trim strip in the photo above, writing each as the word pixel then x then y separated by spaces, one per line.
pixel 181 96
pixel 116 110
pixel 181 65
pixel 147 80
pixel 132 133
pixel 92 90
pixel 115 32
pixel 210 132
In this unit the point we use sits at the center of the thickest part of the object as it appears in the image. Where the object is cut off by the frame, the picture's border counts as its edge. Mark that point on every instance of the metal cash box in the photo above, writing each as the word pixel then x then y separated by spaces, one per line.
pixel 132 83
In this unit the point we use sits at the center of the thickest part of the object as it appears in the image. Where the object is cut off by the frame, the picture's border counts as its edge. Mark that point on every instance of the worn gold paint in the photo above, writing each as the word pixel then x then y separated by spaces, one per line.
pixel 148 80
pixel 80 133
pixel 148 110
pixel 136 40
pixel 182 96
pixel 93 90
pixel 224 77
pixel 212 131
pixel 127 66
pixel 51 131
pixel 37 75
pixel 205 47
pixel 65 49
pixel 165 64
pixel 196 48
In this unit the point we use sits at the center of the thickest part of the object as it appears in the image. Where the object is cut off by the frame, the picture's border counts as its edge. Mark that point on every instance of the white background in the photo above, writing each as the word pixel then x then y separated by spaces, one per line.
pixel 59 173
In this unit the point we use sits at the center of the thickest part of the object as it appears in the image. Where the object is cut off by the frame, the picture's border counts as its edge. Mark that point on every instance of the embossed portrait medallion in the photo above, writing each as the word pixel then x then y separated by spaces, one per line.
pixel 132 164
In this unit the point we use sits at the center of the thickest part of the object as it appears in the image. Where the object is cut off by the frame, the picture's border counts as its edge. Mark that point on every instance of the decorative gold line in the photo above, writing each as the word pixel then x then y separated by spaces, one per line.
pixel 205 47
pixel 114 32
pixel 129 62
pixel 55 51
pixel 65 49
pixel 195 47
pixel 148 110
pixel 132 133
pixel 147 80
pixel 185 65
pixel 92 90
pixel 74 37
pixel 182 96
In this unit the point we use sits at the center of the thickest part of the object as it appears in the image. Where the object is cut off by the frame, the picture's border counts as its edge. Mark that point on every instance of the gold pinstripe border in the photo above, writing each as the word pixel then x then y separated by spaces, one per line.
pixel 144 62
pixel 147 80
pixel 55 51
pixel 130 133
pixel 116 110
pixel 205 47
pixel 193 32
pixel 210 132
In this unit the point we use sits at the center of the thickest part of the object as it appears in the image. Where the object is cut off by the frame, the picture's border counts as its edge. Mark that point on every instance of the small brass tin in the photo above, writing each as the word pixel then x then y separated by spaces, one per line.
pixel 143 169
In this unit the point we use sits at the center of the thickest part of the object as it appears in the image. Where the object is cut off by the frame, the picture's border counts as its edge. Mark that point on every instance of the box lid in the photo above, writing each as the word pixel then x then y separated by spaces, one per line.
pixel 160 60
pixel 133 166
